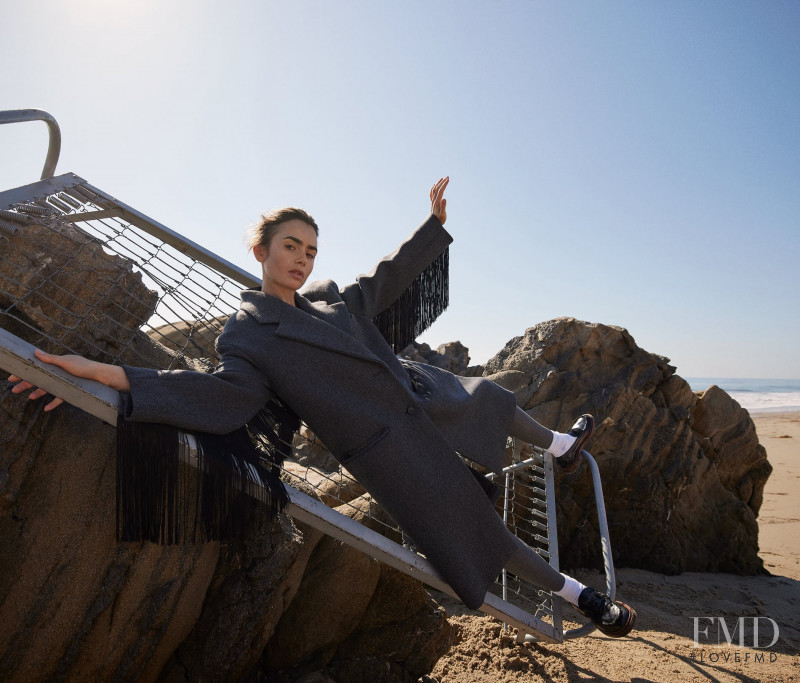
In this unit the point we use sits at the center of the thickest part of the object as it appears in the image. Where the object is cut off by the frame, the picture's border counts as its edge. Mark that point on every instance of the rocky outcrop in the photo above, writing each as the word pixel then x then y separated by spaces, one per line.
pixel 76 605
pixel 452 356
pixel 58 280
pixel 683 474
pixel 356 620
pixel 193 339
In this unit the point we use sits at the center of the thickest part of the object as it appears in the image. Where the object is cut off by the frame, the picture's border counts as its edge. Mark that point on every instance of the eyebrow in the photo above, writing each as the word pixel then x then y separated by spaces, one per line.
pixel 300 242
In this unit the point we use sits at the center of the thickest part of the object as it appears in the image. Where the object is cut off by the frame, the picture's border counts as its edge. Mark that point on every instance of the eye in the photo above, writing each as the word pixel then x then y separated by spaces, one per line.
pixel 311 255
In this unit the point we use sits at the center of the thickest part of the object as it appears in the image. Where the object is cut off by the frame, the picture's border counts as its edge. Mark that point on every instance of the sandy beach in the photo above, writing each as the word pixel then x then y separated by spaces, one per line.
pixel 662 648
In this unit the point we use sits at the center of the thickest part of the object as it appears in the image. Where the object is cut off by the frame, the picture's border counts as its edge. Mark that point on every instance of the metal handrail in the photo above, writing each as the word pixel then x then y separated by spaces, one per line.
pixel 605 541
pixel 54 145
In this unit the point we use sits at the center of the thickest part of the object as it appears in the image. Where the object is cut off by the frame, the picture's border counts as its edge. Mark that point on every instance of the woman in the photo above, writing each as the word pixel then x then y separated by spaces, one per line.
pixel 397 426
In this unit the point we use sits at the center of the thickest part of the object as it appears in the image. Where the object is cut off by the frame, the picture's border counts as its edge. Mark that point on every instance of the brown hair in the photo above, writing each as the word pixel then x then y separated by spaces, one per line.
pixel 263 231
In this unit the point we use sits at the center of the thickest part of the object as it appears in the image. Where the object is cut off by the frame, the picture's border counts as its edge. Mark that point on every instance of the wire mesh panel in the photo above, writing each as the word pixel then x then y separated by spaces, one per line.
pixel 84 274
pixel 529 512
pixel 81 272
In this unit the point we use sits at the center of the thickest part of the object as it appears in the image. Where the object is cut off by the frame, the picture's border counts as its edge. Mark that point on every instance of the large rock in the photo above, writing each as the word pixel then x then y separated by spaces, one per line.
pixel 77 605
pixel 61 281
pixel 356 620
pixel 194 339
pixel 452 356
pixel 683 474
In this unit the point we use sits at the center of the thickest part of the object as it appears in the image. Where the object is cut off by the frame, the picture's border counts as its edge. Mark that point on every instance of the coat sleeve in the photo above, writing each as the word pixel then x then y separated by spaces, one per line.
pixel 154 499
pixel 408 289
pixel 217 402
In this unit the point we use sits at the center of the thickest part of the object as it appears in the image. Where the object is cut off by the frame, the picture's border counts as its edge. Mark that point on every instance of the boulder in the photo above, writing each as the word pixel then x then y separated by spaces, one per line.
pixel 77 605
pixel 452 356
pixel 194 339
pixel 57 279
pixel 683 474
pixel 331 487
pixel 356 620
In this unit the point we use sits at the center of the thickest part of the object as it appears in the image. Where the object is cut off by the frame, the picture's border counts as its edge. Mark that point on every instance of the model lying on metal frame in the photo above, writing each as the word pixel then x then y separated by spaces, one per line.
pixel 398 426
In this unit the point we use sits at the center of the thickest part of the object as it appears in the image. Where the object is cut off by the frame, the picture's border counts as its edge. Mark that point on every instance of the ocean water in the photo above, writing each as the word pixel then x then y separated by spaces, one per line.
pixel 756 395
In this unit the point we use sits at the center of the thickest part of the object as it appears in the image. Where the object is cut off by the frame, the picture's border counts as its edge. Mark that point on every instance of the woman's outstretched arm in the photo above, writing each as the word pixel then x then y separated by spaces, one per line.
pixel 111 375
pixel 216 402
pixel 373 293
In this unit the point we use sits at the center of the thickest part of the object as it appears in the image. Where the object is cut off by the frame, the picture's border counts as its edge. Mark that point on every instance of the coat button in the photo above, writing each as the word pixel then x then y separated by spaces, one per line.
pixel 411 410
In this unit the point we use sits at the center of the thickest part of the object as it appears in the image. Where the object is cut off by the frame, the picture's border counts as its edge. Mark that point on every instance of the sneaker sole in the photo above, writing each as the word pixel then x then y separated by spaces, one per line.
pixel 624 629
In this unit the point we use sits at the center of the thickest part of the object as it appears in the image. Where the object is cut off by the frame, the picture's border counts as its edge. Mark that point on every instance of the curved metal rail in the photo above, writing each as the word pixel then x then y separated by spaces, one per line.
pixel 54 145
pixel 605 541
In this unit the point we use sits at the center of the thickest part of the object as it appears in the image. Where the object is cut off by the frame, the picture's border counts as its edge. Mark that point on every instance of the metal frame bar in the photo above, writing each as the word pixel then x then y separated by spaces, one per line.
pixel 38 190
pixel 54 144
pixel 117 209
pixel 605 541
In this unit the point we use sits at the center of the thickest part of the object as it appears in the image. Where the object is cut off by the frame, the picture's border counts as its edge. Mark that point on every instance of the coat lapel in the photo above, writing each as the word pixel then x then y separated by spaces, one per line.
pixel 323 325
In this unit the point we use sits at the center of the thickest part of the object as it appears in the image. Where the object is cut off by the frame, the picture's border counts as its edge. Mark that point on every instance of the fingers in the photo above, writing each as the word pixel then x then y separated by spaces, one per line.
pixel 37 393
pixel 47 357
pixel 20 386
pixel 438 202
pixel 53 404
pixel 438 188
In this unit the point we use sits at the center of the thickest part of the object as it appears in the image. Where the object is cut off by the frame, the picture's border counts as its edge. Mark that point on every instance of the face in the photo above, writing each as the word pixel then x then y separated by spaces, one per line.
pixel 288 260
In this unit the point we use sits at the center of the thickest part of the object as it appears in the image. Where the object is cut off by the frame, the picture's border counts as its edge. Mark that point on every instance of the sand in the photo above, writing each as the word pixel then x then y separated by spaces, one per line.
pixel 662 648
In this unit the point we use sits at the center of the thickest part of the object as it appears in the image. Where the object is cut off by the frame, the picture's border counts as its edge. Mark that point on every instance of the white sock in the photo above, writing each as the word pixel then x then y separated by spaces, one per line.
pixel 571 590
pixel 561 444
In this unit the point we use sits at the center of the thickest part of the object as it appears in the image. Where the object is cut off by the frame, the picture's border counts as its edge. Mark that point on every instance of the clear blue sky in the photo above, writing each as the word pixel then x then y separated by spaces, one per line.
pixel 628 163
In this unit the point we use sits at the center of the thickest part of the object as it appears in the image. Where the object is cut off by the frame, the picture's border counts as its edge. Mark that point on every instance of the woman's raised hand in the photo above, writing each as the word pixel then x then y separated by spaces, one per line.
pixel 110 375
pixel 438 202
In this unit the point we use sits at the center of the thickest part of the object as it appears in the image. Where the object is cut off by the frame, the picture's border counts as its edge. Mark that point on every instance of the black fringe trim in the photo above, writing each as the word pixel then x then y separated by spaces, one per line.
pixel 417 308
pixel 236 484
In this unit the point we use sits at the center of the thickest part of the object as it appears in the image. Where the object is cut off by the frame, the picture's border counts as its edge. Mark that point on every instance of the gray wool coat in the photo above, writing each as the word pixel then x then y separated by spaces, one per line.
pixel 326 360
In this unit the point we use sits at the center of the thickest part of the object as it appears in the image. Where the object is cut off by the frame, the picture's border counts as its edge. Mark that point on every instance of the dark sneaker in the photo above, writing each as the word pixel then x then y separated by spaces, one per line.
pixel 614 618
pixel 582 431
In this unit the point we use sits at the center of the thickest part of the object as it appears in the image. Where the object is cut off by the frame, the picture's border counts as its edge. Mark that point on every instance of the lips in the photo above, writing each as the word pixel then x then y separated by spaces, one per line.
pixel 297 273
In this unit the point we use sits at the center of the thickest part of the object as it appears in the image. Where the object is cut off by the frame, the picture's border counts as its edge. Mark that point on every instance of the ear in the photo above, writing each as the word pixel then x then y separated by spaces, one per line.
pixel 261 252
